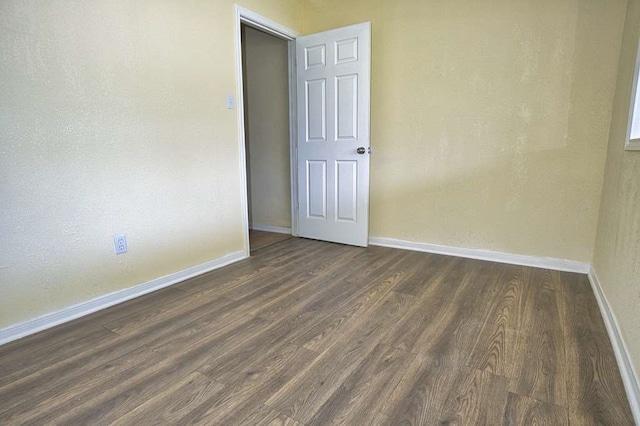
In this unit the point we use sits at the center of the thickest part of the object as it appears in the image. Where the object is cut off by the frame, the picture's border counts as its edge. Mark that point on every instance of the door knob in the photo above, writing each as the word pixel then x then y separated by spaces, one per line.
pixel 361 150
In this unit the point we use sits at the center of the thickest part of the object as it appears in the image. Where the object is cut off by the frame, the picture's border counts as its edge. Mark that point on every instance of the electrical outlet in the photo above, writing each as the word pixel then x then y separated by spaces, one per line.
pixel 231 103
pixel 120 242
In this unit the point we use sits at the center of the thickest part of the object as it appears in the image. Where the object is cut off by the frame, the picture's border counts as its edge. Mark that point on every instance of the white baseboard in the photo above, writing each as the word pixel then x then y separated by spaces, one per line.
pixel 270 228
pixel 17 331
pixel 627 370
pixel 494 256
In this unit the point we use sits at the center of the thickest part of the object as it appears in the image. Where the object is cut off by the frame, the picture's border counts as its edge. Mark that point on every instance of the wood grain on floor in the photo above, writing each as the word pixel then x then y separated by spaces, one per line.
pixel 313 333
pixel 261 239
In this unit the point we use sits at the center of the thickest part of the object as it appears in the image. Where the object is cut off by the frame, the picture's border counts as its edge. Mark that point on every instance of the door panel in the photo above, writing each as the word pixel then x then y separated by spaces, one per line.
pixel 317 189
pixel 315 56
pixel 346 107
pixel 333 85
pixel 347 193
pixel 316 110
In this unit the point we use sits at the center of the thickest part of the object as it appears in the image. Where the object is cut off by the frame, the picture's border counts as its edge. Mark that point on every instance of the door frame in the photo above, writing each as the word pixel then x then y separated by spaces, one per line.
pixel 252 19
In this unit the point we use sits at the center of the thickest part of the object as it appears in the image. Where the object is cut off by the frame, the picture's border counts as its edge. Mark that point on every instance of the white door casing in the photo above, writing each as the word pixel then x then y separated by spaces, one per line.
pixel 333 93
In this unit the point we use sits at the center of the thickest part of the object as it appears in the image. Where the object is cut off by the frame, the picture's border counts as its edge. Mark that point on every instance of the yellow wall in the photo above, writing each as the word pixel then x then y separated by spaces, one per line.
pixel 267 124
pixel 113 120
pixel 489 119
pixel 616 259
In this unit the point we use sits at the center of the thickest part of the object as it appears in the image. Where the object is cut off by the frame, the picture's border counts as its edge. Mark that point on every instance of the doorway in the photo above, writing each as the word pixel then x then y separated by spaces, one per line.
pixel 265 61
pixel 329 178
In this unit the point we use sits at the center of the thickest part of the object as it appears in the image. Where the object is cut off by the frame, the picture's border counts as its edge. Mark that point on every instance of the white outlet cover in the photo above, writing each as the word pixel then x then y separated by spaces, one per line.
pixel 120 243
pixel 231 103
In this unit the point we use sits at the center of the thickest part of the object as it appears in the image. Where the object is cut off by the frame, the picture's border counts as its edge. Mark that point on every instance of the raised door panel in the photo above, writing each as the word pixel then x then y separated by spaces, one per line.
pixel 317 189
pixel 346 51
pixel 316 110
pixel 346 107
pixel 346 191
pixel 315 56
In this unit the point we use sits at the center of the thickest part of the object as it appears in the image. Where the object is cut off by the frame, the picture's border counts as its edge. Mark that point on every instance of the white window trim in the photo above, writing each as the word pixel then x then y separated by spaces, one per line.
pixel 633 144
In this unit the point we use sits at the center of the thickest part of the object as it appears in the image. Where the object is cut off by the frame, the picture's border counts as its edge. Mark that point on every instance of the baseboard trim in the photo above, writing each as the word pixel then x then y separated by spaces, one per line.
pixel 494 256
pixel 18 331
pixel 270 228
pixel 627 371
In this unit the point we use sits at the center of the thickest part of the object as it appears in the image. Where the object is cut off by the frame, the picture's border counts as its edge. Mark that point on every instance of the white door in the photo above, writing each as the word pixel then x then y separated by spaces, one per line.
pixel 333 90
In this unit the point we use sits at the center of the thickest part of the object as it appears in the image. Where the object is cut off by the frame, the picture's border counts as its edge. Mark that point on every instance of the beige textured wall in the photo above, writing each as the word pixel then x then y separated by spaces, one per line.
pixel 617 252
pixel 489 119
pixel 113 120
pixel 267 124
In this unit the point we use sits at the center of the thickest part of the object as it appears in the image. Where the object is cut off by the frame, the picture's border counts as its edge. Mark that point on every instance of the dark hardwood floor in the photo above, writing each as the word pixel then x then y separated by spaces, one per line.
pixel 261 239
pixel 312 333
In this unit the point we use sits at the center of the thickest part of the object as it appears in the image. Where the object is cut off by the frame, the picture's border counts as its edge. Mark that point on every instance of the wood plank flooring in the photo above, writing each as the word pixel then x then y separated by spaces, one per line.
pixel 313 333
pixel 261 239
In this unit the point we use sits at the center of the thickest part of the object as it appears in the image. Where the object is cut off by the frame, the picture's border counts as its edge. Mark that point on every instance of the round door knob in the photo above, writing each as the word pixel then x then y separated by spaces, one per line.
pixel 361 150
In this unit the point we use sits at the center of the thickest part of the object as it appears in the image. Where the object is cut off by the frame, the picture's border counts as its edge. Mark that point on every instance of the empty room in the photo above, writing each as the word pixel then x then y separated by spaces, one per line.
pixel 313 212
